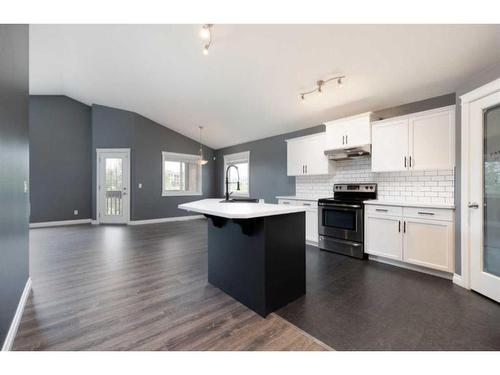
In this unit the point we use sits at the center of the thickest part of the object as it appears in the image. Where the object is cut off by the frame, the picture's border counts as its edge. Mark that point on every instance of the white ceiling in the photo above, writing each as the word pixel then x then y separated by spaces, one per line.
pixel 248 87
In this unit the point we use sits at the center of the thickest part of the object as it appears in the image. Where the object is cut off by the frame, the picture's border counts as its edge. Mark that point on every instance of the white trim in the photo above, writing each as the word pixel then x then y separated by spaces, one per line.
pixel 14 325
pixel 46 224
pixel 457 279
pixel 166 219
pixel 480 92
pixel 413 267
pixel 465 100
pixel 97 196
pixel 186 158
pixel 94 222
pixel 312 243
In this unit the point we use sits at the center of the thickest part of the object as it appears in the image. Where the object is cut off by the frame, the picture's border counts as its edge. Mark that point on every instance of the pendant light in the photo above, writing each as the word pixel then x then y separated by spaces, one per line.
pixel 201 161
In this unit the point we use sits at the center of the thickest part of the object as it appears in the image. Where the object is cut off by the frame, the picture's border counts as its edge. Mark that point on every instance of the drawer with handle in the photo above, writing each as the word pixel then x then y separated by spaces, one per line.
pixel 384 210
pixel 288 202
pixel 429 213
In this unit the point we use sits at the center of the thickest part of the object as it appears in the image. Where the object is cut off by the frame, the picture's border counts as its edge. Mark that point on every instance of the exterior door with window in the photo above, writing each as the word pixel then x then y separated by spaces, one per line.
pixel 113 186
pixel 484 195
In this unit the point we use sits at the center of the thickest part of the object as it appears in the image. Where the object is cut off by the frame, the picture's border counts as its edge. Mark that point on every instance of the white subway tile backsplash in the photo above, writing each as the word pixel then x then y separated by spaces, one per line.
pixel 421 186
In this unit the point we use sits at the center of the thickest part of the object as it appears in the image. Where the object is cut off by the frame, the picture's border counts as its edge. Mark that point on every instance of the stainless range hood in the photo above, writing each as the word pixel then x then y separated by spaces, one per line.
pixel 348 153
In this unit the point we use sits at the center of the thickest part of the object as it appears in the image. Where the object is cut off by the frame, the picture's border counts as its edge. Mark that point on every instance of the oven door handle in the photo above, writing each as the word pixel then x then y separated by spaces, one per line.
pixel 339 205
pixel 350 243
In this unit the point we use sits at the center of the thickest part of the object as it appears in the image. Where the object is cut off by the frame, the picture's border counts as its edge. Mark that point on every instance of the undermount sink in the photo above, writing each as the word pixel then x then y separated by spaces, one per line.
pixel 240 200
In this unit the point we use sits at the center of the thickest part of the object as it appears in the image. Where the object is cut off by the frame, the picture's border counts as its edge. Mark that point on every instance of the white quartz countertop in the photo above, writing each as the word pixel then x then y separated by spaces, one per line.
pixel 409 204
pixel 239 210
pixel 297 197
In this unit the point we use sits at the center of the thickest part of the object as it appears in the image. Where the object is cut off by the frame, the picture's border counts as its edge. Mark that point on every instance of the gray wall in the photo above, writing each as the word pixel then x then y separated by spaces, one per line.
pixel 14 150
pixel 115 128
pixel 490 74
pixel 60 163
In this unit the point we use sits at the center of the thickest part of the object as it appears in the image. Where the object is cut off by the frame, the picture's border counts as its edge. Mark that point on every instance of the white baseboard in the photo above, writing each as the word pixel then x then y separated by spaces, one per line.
pixel 94 222
pixel 60 223
pixel 166 219
pixel 14 325
pixel 312 243
pixel 458 280
pixel 413 267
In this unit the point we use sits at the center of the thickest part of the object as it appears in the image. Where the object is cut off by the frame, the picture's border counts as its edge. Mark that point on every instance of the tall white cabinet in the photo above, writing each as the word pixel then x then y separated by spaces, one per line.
pixel 420 141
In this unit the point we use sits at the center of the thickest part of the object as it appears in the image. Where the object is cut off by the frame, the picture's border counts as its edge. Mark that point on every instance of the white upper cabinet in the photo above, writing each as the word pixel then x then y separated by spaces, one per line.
pixel 306 156
pixel 420 141
pixel 433 145
pixel 390 146
pixel 348 132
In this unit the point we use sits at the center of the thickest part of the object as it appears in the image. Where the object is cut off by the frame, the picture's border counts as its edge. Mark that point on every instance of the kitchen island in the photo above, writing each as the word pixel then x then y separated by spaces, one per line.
pixel 256 251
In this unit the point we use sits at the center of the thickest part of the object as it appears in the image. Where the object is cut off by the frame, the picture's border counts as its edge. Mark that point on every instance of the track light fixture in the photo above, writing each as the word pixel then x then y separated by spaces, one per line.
pixel 320 85
pixel 206 36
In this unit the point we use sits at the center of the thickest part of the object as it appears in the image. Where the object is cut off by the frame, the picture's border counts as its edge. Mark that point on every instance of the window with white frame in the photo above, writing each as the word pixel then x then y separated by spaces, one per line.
pixel 242 161
pixel 181 174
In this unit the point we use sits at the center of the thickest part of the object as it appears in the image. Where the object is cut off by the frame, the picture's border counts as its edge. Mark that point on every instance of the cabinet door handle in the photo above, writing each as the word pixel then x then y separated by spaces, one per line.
pixel 286 202
pixel 426 213
pixel 306 168
pixel 405 161
pixel 303 170
pixel 346 140
pixel 399 226
pixel 306 204
pixel 404 227
pixel 410 162
pixel 343 139
pixel 381 210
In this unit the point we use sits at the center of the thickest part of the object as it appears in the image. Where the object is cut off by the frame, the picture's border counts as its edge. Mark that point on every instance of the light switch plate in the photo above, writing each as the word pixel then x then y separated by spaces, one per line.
pixel 75 212
pixel 25 186
pixel 140 186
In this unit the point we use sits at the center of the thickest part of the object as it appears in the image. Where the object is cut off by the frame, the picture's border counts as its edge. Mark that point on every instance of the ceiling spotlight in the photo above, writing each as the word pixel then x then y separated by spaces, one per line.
pixel 205 32
pixel 321 83
pixel 206 35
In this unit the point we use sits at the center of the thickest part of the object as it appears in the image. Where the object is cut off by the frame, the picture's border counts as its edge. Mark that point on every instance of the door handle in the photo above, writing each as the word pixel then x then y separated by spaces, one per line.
pixel 473 205
pixel 381 210
pixel 343 142
pixel 405 161
pixel 410 161
pixel 399 226
pixel 426 213
pixel 404 226
pixel 346 140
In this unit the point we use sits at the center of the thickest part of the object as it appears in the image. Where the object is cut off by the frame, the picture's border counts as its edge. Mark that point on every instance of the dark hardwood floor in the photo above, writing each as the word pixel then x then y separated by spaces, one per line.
pixel 138 288
pixel 365 305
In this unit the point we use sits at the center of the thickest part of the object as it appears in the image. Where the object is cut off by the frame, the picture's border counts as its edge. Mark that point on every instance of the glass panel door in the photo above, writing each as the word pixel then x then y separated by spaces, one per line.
pixel 113 186
pixel 491 212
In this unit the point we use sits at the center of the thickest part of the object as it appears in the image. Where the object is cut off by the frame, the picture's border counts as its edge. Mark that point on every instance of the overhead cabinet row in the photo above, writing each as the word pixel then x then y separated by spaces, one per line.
pixel 419 141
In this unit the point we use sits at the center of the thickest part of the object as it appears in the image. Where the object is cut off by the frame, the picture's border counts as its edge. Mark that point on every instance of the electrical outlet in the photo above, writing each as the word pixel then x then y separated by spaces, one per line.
pixel 75 212
pixel 140 186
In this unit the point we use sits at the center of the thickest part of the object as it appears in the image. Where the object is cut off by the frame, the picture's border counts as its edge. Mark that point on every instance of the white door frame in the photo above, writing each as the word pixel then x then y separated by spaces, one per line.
pixel 465 101
pixel 100 151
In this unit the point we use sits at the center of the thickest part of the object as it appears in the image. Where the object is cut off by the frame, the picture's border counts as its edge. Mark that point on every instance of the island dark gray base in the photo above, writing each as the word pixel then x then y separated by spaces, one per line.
pixel 259 262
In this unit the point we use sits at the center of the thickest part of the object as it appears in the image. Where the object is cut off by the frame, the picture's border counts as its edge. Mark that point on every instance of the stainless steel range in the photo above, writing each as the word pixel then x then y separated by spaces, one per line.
pixel 341 219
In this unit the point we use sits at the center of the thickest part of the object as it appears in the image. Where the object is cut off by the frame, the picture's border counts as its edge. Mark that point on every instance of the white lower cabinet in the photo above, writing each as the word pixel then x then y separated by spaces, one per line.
pixel 429 243
pixel 311 216
pixel 420 236
pixel 387 245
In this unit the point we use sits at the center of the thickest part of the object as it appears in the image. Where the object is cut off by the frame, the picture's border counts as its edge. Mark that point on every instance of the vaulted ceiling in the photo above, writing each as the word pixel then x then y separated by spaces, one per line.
pixel 248 86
